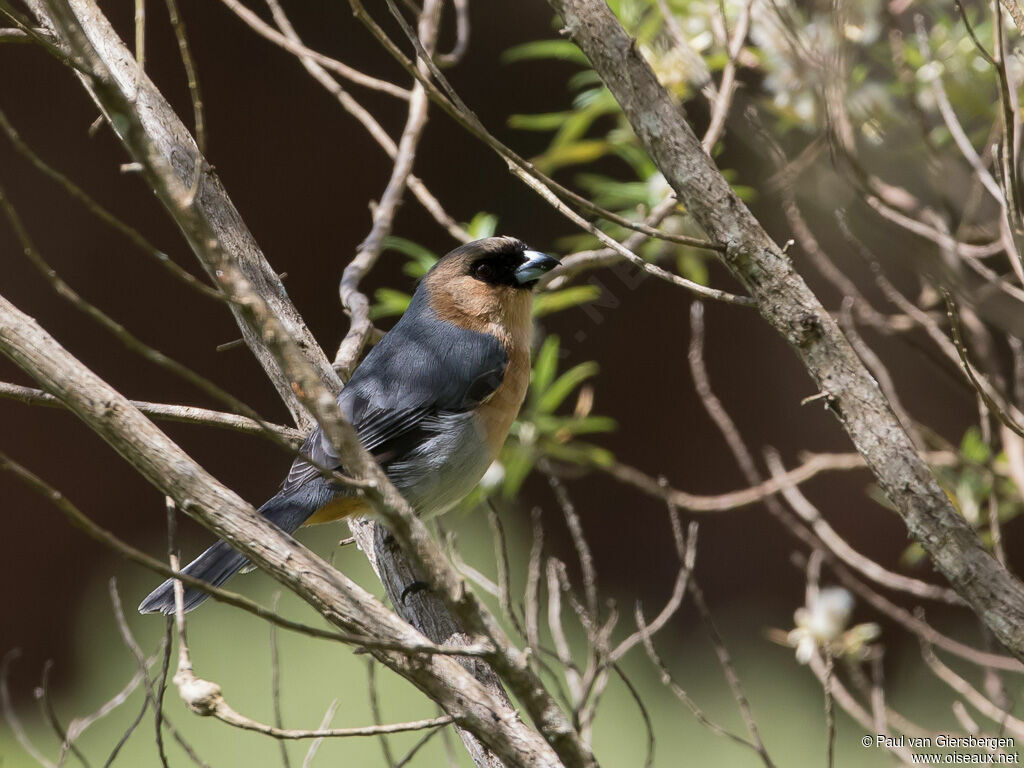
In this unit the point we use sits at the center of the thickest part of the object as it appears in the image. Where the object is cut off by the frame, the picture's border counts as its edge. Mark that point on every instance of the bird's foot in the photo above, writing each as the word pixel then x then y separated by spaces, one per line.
pixel 415 588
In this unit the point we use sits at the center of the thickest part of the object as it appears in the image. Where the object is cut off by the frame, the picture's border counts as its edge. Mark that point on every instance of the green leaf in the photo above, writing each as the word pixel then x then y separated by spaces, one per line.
pixel 554 395
pixel 693 267
pixel 558 301
pixel 390 303
pixel 544 121
pixel 576 452
pixel 577 123
pixel 572 154
pixel 642 165
pixel 585 98
pixel 422 259
pixel 973 448
pixel 482 225
pixel 544 369
pixel 409 248
pixel 612 193
pixel 586 425
pixel 562 50
pixel 745 193
pixel 913 555
pixel 588 78
pixel 518 465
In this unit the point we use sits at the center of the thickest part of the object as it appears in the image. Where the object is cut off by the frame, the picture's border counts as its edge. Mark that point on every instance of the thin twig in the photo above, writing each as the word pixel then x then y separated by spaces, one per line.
pixel 683 696
pixel 140 660
pixel 275 683
pixel 841 549
pixel 50 714
pixel 687 558
pixel 11 717
pixel 729 670
pixel 429 202
pixel 830 719
pixel 192 77
pixel 371 687
pixel 723 101
pixel 813 465
pixel 260 27
pixel 579 541
pixel 184 414
pixel 307 762
pixel 974 697
pixel 110 540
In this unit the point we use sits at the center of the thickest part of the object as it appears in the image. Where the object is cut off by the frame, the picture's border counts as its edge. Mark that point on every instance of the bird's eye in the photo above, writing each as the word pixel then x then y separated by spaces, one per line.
pixel 484 271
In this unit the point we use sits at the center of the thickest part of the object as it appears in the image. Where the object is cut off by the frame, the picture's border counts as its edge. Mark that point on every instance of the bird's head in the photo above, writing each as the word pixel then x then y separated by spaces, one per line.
pixel 486 285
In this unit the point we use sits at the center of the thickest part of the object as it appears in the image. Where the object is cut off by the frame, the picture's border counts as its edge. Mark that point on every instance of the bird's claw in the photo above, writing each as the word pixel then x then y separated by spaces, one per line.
pixel 414 588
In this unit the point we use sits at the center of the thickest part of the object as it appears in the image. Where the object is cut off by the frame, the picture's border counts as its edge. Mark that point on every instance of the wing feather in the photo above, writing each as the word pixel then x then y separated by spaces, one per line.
pixel 424 368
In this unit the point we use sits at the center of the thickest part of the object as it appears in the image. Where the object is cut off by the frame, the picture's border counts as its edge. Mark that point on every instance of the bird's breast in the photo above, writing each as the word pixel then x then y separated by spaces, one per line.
pixel 495 415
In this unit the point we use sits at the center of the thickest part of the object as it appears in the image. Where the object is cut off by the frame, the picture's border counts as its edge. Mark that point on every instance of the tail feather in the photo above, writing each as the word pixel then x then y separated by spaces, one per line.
pixel 220 562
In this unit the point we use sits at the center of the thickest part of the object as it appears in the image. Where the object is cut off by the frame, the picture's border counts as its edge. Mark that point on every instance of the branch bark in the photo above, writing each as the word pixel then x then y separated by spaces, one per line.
pixel 341 601
pixel 794 311
pixel 169 137
pixel 427 612
pixel 87 37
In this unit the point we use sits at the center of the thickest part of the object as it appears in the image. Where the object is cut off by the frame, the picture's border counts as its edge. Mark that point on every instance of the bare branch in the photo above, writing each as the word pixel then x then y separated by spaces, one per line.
pixel 725 660
pixel 156 138
pixel 354 301
pixel 723 100
pixel 793 310
pixel 11 717
pixel 979 701
pixel 838 546
pixel 264 30
pixel 430 203
pixel 813 465
pixel 184 414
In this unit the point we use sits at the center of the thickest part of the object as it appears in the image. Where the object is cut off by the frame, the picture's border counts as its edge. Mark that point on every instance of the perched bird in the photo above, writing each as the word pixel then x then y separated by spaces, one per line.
pixel 433 401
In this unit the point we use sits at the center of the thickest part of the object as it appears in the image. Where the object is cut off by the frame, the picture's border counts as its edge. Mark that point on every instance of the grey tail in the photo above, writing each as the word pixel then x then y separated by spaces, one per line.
pixel 220 562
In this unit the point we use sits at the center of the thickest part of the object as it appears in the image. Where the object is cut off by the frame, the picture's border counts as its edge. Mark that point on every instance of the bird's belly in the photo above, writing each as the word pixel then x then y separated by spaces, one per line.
pixel 338 508
pixel 435 476
pixel 444 469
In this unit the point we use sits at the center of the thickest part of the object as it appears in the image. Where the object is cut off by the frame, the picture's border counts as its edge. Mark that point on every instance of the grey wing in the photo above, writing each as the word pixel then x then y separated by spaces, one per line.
pixel 398 397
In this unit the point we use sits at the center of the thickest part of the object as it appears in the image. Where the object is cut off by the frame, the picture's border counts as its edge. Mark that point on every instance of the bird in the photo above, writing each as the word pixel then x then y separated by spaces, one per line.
pixel 433 401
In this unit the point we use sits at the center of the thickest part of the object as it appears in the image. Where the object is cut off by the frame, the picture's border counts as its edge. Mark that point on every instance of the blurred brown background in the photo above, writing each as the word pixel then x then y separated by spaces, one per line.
pixel 301 172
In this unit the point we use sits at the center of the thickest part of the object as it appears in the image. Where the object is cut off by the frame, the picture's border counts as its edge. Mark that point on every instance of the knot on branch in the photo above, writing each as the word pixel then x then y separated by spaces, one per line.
pixel 201 696
pixel 808 328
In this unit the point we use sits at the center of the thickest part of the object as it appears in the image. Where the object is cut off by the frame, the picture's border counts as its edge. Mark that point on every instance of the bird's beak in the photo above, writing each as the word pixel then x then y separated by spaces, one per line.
pixel 536 264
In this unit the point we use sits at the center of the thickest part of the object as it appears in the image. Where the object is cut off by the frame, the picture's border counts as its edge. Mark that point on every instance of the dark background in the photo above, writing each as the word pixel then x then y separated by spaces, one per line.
pixel 301 172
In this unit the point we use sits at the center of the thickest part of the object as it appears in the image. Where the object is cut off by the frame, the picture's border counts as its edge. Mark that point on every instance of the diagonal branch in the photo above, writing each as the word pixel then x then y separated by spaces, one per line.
pixel 794 311
pixel 334 596
pixel 166 137
pixel 306 384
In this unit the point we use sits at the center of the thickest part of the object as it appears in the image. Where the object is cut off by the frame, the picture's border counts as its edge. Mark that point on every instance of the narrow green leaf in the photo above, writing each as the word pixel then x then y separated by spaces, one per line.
pixel 974 448
pixel 389 303
pixel 558 301
pixel 564 385
pixel 572 154
pixel 544 369
pixel 587 425
pixel 576 452
pixel 563 50
pixel 545 121
pixel 518 465
pixel 482 225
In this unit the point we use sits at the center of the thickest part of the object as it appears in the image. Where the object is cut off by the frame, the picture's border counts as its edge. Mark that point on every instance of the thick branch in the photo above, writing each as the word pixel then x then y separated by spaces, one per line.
pixel 793 310
pixel 308 386
pixel 338 599
pixel 186 414
pixel 167 136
